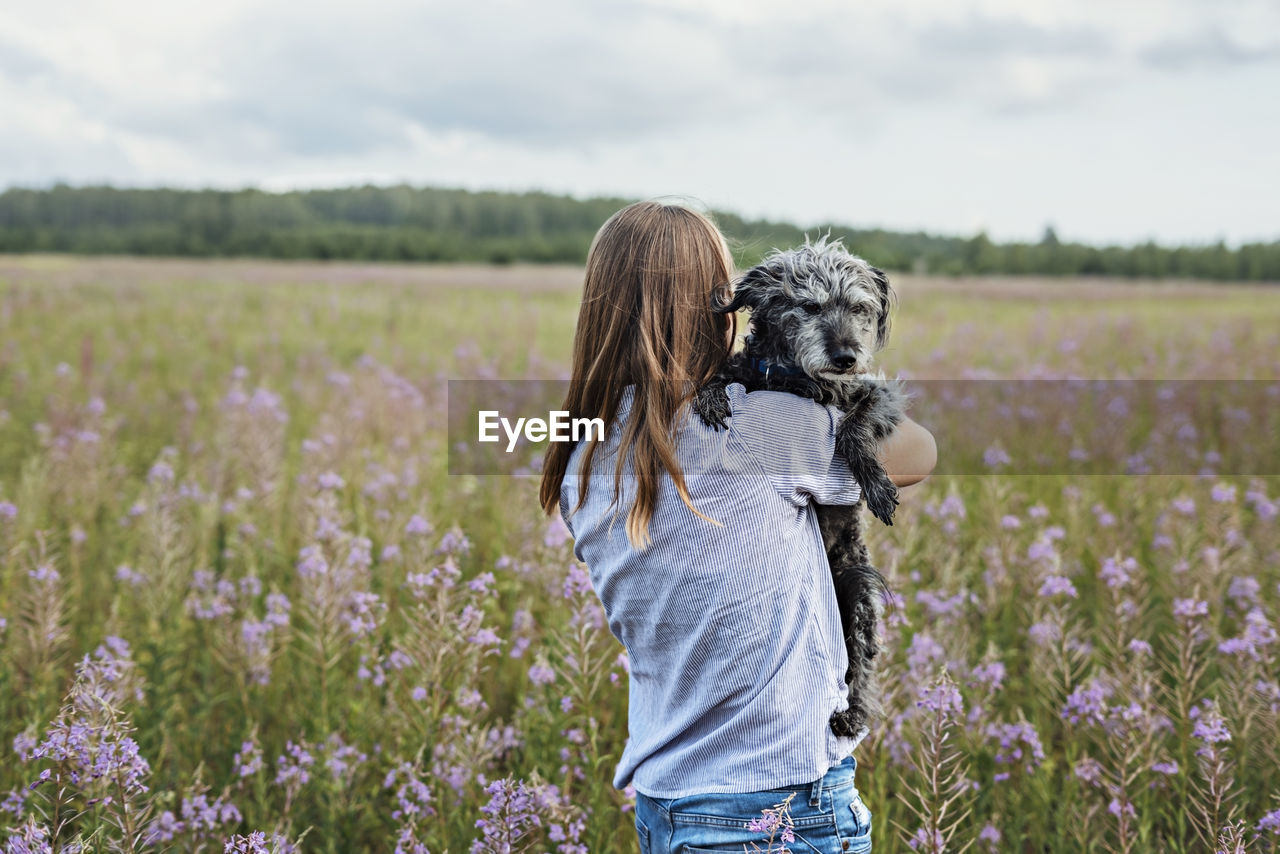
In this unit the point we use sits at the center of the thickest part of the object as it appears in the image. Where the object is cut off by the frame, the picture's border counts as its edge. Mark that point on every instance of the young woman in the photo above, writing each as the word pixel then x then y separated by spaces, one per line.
pixel 720 589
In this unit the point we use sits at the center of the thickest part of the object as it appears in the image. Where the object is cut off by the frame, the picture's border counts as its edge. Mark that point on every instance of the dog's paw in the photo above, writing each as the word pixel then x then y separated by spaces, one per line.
pixel 845 724
pixel 711 403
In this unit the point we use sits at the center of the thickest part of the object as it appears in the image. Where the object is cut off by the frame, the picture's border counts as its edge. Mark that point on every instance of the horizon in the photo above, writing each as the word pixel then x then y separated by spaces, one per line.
pixel 1231 245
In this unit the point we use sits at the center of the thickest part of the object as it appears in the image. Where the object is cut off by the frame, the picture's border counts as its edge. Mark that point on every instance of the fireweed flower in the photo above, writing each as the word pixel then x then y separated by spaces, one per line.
pixel 1189 609
pixel 1087 704
pixel 1258 634
pixel 293 770
pixel 1090 771
pixel 341 759
pixel 1044 632
pixel 1118 573
pixel 1264 507
pixel 256 843
pixel 1042 550
pixel 989 675
pixel 413 799
pixel 516 809
pixel 480 584
pixel 577 582
pixel 248 760
pixel 556 534
pixel 1057 585
pixel 938 605
pixel 1244 589
pixel 330 481
pixel 1016 742
pixel 417 527
pixel 924 841
pixel 540 674
pixel 1223 493
pixel 1139 647
pixel 14 803
pixel 995 456
pixel 128 575
pixel 775 822
pixel 1211 728
pixel 941 698
pixel 24 744
pixel 454 542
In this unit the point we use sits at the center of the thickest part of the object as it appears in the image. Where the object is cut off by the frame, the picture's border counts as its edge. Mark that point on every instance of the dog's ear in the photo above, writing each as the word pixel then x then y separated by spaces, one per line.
pixel 747 292
pixel 885 294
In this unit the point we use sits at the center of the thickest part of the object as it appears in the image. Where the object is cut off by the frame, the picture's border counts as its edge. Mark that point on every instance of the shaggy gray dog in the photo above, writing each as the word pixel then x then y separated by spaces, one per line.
pixel 818 315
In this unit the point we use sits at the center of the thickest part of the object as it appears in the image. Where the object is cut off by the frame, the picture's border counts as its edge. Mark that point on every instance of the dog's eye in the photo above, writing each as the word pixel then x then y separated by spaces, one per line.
pixel 860 309
pixel 812 307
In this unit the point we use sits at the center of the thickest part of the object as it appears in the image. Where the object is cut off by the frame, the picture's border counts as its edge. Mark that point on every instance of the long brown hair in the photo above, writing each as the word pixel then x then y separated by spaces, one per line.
pixel 646 320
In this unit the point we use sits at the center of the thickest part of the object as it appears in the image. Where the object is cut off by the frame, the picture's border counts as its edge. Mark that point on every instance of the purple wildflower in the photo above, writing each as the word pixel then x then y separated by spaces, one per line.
pixel 1211 727
pixel 1057 585
pixel 418 526
pixel 1087 703
pixel 248 761
pixel 1190 608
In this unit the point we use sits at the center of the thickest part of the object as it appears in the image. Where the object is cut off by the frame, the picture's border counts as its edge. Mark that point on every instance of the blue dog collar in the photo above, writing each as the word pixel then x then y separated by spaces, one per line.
pixel 766 368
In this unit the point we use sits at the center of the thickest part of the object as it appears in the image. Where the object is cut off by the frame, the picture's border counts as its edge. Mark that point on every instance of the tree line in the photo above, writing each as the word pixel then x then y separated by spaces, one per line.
pixel 404 223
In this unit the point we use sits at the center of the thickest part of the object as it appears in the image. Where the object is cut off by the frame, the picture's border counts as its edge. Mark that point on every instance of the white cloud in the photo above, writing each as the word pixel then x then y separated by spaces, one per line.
pixel 1114 121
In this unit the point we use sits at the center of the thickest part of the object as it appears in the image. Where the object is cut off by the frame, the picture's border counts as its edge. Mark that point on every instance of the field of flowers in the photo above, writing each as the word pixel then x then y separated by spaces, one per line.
pixel 244 607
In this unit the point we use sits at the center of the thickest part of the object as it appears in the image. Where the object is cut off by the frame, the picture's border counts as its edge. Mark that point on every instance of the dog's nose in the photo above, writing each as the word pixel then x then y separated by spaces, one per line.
pixel 844 359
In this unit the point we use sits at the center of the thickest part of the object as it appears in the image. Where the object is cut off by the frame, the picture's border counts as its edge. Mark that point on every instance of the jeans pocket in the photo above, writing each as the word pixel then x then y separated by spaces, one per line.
pixel 854 821
pixel 642 833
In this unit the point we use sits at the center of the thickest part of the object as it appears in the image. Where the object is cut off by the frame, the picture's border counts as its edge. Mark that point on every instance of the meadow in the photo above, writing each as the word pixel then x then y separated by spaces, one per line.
pixel 245 607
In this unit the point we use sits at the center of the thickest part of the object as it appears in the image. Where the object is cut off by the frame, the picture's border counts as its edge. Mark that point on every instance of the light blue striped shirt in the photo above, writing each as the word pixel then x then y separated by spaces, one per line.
pixel 733 634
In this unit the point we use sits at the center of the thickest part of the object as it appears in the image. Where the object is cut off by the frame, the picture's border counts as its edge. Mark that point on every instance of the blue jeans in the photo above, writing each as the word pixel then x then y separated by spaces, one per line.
pixel 828 817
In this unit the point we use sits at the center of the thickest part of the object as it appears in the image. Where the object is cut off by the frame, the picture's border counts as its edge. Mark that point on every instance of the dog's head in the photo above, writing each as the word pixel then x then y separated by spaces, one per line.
pixel 817 307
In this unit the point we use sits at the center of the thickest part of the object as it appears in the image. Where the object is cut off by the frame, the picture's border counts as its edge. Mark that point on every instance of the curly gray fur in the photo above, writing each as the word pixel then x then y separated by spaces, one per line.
pixel 818 316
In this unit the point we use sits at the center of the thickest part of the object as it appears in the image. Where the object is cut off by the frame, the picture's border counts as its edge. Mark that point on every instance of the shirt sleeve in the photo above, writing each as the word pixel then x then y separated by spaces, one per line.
pixel 794 439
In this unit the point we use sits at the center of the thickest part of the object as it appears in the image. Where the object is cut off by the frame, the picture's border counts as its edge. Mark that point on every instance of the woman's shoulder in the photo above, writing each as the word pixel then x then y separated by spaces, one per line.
pixel 778 405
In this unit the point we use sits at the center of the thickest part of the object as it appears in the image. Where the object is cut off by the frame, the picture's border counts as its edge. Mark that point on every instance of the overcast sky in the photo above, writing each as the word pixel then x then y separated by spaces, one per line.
pixel 1115 121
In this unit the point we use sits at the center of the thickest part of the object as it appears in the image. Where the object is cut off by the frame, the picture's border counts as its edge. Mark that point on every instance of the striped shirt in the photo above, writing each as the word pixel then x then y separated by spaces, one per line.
pixel 733 633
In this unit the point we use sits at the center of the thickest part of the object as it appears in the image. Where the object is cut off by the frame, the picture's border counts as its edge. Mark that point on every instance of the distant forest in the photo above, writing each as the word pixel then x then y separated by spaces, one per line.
pixel 404 223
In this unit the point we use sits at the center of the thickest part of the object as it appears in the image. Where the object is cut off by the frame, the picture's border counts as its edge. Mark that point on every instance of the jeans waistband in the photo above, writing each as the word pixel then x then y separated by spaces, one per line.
pixel 840 774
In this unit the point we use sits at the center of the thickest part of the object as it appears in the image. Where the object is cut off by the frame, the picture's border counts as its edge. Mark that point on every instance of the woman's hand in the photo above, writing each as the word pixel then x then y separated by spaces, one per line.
pixel 908 454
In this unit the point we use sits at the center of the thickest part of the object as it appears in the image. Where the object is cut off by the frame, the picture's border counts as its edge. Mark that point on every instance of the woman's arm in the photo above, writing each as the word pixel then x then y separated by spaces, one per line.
pixel 908 454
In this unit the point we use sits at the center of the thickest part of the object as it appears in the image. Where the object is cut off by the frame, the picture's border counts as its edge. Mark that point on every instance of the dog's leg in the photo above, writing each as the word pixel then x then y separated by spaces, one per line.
pixel 873 410
pixel 860 590
pixel 857 445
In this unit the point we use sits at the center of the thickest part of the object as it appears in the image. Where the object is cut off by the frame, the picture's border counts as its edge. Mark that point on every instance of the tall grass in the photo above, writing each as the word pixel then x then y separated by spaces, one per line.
pixel 243 604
